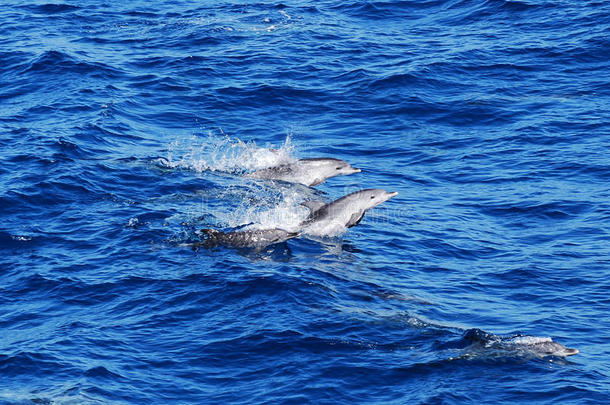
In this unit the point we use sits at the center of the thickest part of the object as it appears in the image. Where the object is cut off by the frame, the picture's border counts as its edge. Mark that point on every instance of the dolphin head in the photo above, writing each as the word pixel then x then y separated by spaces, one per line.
pixel 555 349
pixel 280 235
pixel 342 167
pixel 372 197
pixel 542 346
pixel 328 167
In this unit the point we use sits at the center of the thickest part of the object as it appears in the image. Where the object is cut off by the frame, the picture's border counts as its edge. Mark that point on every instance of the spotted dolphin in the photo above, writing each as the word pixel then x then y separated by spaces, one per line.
pixel 309 172
pixel 484 344
pixel 333 218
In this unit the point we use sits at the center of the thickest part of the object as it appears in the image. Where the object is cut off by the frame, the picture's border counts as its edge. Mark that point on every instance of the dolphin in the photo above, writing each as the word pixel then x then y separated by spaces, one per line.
pixel 542 346
pixel 485 344
pixel 259 238
pixel 332 219
pixel 309 172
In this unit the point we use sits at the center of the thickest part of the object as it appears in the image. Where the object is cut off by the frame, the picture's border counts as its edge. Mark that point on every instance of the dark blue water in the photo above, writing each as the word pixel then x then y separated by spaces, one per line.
pixel 126 126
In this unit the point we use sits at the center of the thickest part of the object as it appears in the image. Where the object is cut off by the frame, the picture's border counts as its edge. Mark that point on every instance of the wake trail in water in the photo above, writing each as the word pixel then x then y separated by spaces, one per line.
pixel 225 154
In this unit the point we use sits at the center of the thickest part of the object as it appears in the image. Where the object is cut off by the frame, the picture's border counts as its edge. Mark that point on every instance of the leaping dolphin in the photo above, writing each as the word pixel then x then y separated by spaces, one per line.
pixel 245 239
pixel 332 219
pixel 309 172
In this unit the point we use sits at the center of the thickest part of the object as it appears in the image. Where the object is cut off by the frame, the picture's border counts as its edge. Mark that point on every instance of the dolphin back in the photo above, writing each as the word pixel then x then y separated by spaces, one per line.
pixel 245 239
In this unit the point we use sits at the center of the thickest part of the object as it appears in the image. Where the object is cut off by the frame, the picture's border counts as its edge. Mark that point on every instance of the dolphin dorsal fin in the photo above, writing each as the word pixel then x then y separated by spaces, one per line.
pixel 313 205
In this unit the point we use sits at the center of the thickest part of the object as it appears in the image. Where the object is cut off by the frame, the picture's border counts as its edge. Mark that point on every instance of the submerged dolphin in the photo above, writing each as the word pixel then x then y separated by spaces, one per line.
pixel 245 239
pixel 542 346
pixel 332 219
pixel 483 344
pixel 309 172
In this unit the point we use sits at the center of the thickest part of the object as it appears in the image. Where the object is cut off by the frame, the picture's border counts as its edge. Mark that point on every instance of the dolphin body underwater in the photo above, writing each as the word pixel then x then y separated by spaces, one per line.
pixel 309 172
pixel 483 344
pixel 244 239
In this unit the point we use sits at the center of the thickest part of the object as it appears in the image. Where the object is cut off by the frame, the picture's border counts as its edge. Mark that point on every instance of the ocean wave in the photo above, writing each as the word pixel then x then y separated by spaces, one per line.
pixel 54 62
pixel 52 8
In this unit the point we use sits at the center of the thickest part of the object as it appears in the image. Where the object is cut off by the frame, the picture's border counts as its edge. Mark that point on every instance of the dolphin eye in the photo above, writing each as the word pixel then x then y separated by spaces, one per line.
pixel 372 197
pixel 338 168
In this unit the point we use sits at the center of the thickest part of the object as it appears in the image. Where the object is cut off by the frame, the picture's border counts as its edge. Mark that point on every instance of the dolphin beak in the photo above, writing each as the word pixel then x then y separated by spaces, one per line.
pixel 393 193
pixel 356 170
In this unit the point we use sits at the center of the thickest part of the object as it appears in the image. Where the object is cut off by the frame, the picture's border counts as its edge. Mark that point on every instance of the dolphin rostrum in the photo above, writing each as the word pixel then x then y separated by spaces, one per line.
pixel 245 239
pixel 309 172
pixel 332 219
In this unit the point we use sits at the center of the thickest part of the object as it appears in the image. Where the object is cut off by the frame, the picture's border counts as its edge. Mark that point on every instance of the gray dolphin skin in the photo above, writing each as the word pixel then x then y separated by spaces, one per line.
pixel 332 219
pixel 245 239
pixel 309 172
pixel 483 344
pixel 550 348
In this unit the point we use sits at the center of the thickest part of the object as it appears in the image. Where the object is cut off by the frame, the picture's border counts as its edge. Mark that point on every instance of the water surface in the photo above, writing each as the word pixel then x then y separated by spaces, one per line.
pixel 126 127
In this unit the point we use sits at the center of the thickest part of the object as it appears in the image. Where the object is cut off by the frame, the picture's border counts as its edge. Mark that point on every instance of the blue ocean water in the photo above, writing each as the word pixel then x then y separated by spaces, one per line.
pixel 126 127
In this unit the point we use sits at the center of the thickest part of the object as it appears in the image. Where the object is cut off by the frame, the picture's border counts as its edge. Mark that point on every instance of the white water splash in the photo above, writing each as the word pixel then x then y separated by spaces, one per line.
pixel 225 154
pixel 529 340
pixel 281 210
pixel 327 229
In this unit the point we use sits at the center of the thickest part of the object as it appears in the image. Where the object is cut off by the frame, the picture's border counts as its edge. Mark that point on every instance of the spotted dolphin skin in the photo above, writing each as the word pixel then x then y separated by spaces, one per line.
pixel 245 239
pixel 332 219
pixel 483 344
pixel 309 172
pixel 542 346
